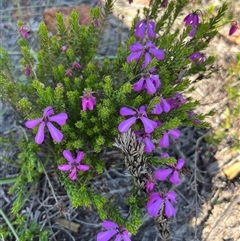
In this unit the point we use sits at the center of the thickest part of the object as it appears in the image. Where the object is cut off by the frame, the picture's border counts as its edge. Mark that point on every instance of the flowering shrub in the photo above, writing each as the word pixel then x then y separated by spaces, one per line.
pixel 102 103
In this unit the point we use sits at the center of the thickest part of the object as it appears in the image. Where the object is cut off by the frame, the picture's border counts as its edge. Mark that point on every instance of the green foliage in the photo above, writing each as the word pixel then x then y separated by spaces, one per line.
pixel 110 82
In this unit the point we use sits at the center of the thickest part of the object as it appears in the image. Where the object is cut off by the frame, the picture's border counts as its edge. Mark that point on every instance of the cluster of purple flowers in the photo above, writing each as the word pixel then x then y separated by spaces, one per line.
pixel 150 82
pixel 46 120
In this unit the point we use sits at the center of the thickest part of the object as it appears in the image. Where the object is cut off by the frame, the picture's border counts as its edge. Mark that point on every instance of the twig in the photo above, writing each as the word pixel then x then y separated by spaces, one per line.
pixel 49 182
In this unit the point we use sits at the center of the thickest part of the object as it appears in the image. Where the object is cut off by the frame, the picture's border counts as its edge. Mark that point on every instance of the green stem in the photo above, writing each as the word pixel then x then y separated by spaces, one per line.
pixel 7 180
pixel 9 224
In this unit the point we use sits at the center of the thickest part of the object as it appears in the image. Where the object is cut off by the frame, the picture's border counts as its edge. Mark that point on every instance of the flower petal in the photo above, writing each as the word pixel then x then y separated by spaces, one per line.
pixel 60 118
pixel 175 178
pixel 125 236
pixel 125 111
pixel 106 235
pixel 147 60
pixel 140 29
pixel 180 163
pixel 164 142
pixel 109 224
pixel 149 186
pixel 151 89
pixel 55 133
pixel 157 110
pixel 80 156
pixel 126 124
pixel 84 104
pixel 150 44
pixel 162 174
pixel 68 155
pixel 32 123
pixel 156 81
pixel 149 146
pixel 118 237
pixel 48 111
pixel 172 196
pixel 39 138
pixel 169 209
pixel 91 104
pixel 136 47
pixel 149 125
pixel 138 85
pixel 174 133
pixel 192 32
pixel 165 105
pixel 154 208
pixel 134 56
pixel 151 29
pixel 164 155
pixel 83 168
pixel 64 167
pixel 73 174
pixel 158 53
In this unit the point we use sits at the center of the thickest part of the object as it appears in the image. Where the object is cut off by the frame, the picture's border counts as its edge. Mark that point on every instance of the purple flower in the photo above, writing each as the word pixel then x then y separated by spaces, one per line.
pixel 164 3
pixel 164 155
pixel 191 114
pixel 27 70
pixel 24 30
pixel 162 174
pixel 146 139
pixel 164 142
pixel 197 57
pixel 73 165
pixel 233 28
pixel 113 229
pixel 130 1
pixel 192 19
pixel 176 101
pixel 149 82
pixel 64 48
pixel 149 125
pixel 139 50
pixel 156 200
pixel 47 118
pixel 161 106
pixel 95 22
pixel 69 73
pixel 150 183
pixel 142 26
pixel 88 100
pixel 76 65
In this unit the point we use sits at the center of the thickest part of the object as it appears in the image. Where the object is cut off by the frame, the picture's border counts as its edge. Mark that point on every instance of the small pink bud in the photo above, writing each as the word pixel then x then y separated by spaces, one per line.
pixel 95 22
pixel 64 48
pixel 24 31
pixel 27 70
pixel 88 101
pixel 164 3
pixel 68 73
pixel 76 65
pixel 233 28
